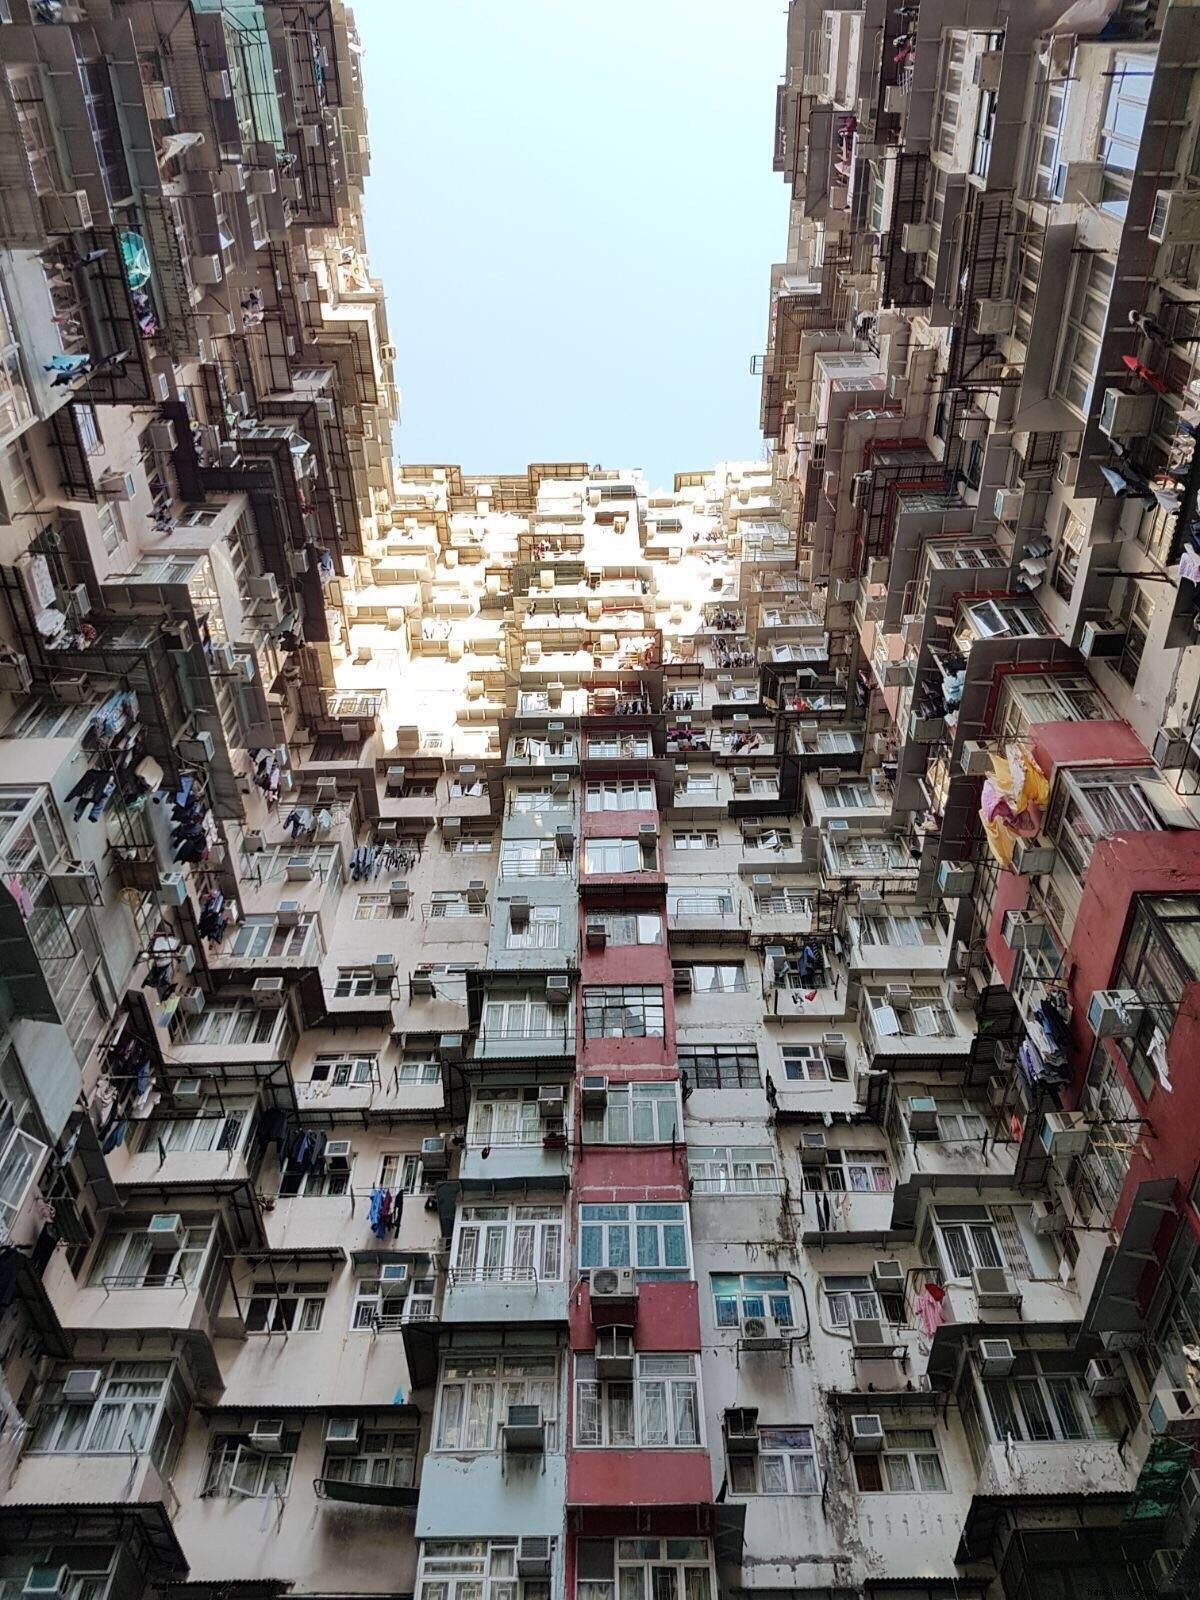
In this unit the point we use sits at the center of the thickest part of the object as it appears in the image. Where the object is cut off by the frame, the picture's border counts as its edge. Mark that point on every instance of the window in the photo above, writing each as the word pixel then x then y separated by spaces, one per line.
pixel 847 795
pixel 1042 161
pixel 728 1169
pixel 909 1464
pixel 738 1295
pixel 1050 697
pixel 848 1295
pixel 355 982
pixel 456 903
pixel 635 1113
pixel 1124 119
pixel 657 1409
pixel 959 1122
pixel 538 932
pixel 475 1393
pixel 381 1305
pixel 620 796
pixel 287 1307
pixel 377 908
pixel 847 856
pixel 783 902
pixel 475 844
pixel 965 1237
pixel 644 1569
pixel 18 478
pixel 1071 540
pixel 1042 1399
pixel 898 928
pixel 233 1025
pixel 600 748
pixel 472 1569
pixel 134 1397
pixel 949 98
pixel 616 855
pixel 526 800
pixel 342 1071
pixel 418 789
pixel 807 1063
pixel 762 836
pixel 506 1244
pixel 313 1185
pixel 112 534
pixel 719 1066
pixel 1079 351
pixel 786 1463
pixel 625 1011
pixel 505 1117
pixel 698 903
pixel 727 977
pixel 924 1014
pixel 400 1170
pixel 462 787
pixel 236 1468
pixel 695 840
pixel 213 1127
pixel 418 1065
pixel 522 1018
pixel 1137 615
pixel 387 1460
pixel 629 927
pixel 652 1238
pixel 132 1258
pixel 259 938
pixel 533 858
pixel 851 1172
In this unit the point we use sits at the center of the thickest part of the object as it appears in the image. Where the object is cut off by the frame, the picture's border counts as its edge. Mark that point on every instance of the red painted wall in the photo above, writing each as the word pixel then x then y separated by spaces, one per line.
pixel 668 1318
pixel 636 1478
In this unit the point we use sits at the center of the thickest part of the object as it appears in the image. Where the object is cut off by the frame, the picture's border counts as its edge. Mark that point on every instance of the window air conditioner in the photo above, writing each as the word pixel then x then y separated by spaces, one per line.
pixel 82 1385
pixel 1065 1135
pixel 868 1338
pixel 433 1155
pixel 1105 1378
pixel 267 1435
pixel 1115 1013
pixel 166 1227
pixel 741 1430
pixel 613 1284
pixel 339 1153
pixel 866 1433
pixel 1176 217
pixel 996 1358
pixel 593 1092
pixel 994 1289
pixel 614 1353
pixel 888 1276
pixel 342 1435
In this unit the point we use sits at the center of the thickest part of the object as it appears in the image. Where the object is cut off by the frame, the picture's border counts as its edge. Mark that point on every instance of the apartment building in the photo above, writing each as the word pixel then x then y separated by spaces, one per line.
pixel 564 1040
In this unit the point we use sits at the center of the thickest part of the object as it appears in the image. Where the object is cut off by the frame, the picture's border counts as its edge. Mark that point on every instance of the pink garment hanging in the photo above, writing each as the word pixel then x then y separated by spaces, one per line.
pixel 928 1312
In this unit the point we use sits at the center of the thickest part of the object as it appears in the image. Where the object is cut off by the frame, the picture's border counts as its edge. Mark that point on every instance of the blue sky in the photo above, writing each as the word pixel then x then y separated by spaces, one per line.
pixel 573 211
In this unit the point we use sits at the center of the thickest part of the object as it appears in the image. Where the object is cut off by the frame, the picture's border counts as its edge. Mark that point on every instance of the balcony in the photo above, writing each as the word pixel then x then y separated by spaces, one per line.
pixel 121 1477
pixel 527 1155
pixel 1053 1468
pixel 844 1217
pixel 511 1295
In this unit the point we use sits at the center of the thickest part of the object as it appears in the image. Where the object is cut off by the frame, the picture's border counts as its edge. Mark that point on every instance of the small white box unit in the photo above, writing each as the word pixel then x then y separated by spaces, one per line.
pixel 524 1428
pixel 267 1435
pixel 551 1102
pixel 614 1283
pixel 888 1276
pixel 47 1583
pixel 614 1353
pixel 956 878
pixel 1065 1134
pixel 166 1227
pixel 741 1430
pixel 1115 1013
pixel 922 1115
pixel 866 1433
pixel 994 1289
pixel 996 1358
pixel 342 1435
pixel 869 1337
pixel 82 1385
pixel 1031 860
pixel 535 1551
pixel 813 1149
pixel 433 1154
pixel 339 1153
pixel 593 1091
pixel 1105 1378
pixel 1126 416
pixel 1176 217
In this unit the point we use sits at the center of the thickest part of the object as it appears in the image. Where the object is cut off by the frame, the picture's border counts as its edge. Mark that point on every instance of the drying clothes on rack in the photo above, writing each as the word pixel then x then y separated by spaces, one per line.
pixel 306 1151
pixel 362 862
pixel 384 1212
pixel 929 1311
pixel 274 1128
pixel 300 820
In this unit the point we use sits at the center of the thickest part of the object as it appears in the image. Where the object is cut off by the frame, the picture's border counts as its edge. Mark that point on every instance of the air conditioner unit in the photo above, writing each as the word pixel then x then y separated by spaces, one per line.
pixel 451 1047
pixel 163 437
pixel 118 485
pixel 534 1554
pixel 48 1583
pixel 266 992
pixel 288 913
pixel 593 1091
pixel 813 1149
pixel 1031 860
pixel 614 1284
pixel 681 980
pixel 451 827
pixel 524 1428
pixel 1115 1013
pixel 866 1433
pixel 199 749
pixel 922 1116
pixel 596 936
pixel 996 1358
pixel 994 316
pixel 1100 641
pixel 558 989
pixel 433 1154
pixel 860 489
pixel 564 839
pixel 762 1333
pixel 986 70
pixel 1126 416
pixel 868 1338
pixel 15 676
pixel 82 1385
pixel 916 238
pixel 1065 1135
pixel 1006 507
pixel 338 1155
pixel 299 869
pixel 956 879
pixel 1022 930
pixel 994 1289
pixel 1078 182
pixel 421 981
pixel 560 782
pixel 1171 746
pixel 342 1435
pixel 166 1227
pixel 1105 1378
pixel 888 1276
pixel 551 1102
pixel 614 1353
pixel 1172 1411
pixel 740 1428
pixel 1176 217
pixel 398 894
pixel 172 890
pixel 477 892
pixel 518 911
pixel 267 1435
pixel 207 270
